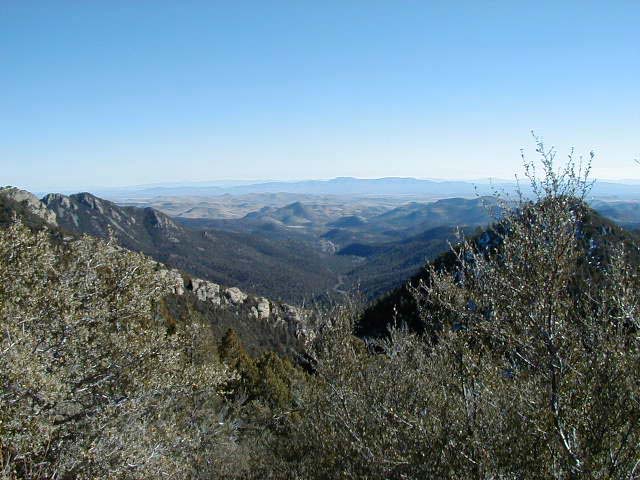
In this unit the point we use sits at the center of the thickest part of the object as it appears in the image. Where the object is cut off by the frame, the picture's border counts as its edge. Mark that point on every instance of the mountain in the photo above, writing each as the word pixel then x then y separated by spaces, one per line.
pixel 292 215
pixel 25 205
pixel 144 230
pixel 361 186
pixel 353 222
pixel 388 265
pixel 335 186
pixel 349 221
pixel 396 186
pixel 376 251
pixel 449 211
pixel 379 250
pixel 263 324
pixel 624 213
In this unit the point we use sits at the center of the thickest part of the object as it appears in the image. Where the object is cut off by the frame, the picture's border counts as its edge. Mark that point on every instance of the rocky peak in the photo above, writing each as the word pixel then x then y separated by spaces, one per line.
pixel 86 213
pixel 62 207
pixel 31 203
pixel 54 199
pixel 157 219
pixel 91 201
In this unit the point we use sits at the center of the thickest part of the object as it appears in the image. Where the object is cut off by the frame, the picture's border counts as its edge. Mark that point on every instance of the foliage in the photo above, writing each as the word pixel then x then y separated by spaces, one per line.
pixel 92 385
pixel 268 380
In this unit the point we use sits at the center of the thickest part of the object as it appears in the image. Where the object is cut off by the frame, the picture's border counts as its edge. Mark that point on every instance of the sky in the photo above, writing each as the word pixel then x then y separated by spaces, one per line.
pixel 113 93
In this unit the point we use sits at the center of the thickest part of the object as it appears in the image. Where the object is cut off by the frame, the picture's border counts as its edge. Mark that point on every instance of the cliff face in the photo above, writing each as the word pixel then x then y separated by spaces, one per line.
pixel 86 213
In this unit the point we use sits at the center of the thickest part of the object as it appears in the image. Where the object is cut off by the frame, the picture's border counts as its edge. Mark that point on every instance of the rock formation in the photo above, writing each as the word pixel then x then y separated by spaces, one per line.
pixel 206 291
pixel 235 295
pixel 296 320
pixel 30 202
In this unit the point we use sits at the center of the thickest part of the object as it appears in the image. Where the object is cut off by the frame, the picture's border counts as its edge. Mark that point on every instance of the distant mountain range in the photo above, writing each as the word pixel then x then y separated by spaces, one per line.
pixel 387 245
pixel 355 186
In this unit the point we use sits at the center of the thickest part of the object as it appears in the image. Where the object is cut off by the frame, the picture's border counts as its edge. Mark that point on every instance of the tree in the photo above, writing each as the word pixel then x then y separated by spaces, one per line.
pixel 549 323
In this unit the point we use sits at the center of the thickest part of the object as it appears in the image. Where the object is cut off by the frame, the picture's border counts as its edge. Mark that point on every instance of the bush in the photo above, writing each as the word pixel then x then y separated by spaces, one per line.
pixel 92 385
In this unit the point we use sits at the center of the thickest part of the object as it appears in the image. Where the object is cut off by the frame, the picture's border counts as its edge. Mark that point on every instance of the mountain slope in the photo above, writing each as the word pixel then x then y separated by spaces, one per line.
pixel 417 217
pixel 262 323
pixel 624 213
pixel 16 203
pixel 284 269
pixel 388 265
pixel 595 233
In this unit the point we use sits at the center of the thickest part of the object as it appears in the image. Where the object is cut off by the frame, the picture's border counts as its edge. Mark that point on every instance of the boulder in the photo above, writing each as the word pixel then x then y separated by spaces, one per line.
pixel 235 295
pixel 206 291
pixel 262 310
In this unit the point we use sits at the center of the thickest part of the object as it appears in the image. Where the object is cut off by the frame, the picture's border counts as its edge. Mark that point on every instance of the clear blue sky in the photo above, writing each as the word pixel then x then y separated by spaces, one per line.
pixel 116 93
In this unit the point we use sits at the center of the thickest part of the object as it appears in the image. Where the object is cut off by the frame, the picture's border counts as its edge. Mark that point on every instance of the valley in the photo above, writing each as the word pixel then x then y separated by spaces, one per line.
pixel 371 241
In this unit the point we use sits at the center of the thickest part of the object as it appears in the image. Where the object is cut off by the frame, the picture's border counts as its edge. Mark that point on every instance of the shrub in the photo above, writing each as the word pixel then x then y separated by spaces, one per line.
pixel 92 385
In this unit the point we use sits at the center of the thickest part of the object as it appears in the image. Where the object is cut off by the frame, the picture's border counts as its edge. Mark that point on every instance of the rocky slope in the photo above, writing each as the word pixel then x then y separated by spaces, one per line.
pixel 23 204
pixel 296 323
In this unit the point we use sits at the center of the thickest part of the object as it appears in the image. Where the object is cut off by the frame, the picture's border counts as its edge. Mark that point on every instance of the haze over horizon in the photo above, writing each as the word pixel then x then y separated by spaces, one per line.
pixel 121 93
pixel 339 186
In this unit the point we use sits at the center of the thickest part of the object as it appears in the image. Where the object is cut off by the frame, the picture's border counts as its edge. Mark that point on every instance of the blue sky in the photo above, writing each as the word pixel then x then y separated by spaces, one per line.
pixel 117 93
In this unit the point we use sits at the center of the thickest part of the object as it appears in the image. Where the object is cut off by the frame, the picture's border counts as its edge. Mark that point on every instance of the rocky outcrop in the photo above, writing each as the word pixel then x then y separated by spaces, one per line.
pixel 206 291
pixel 262 310
pixel 86 213
pixel 31 203
pixel 159 220
pixel 174 281
pixel 295 320
pixel 137 229
pixel 91 201
pixel 299 322
pixel 235 295
pixel 62 207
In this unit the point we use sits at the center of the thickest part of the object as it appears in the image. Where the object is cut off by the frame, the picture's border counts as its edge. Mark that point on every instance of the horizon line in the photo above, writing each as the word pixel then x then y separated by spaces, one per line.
pixel 237 182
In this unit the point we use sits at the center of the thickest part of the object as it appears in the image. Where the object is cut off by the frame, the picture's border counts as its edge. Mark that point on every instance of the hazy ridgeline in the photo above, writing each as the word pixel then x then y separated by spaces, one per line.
pixel 517 358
